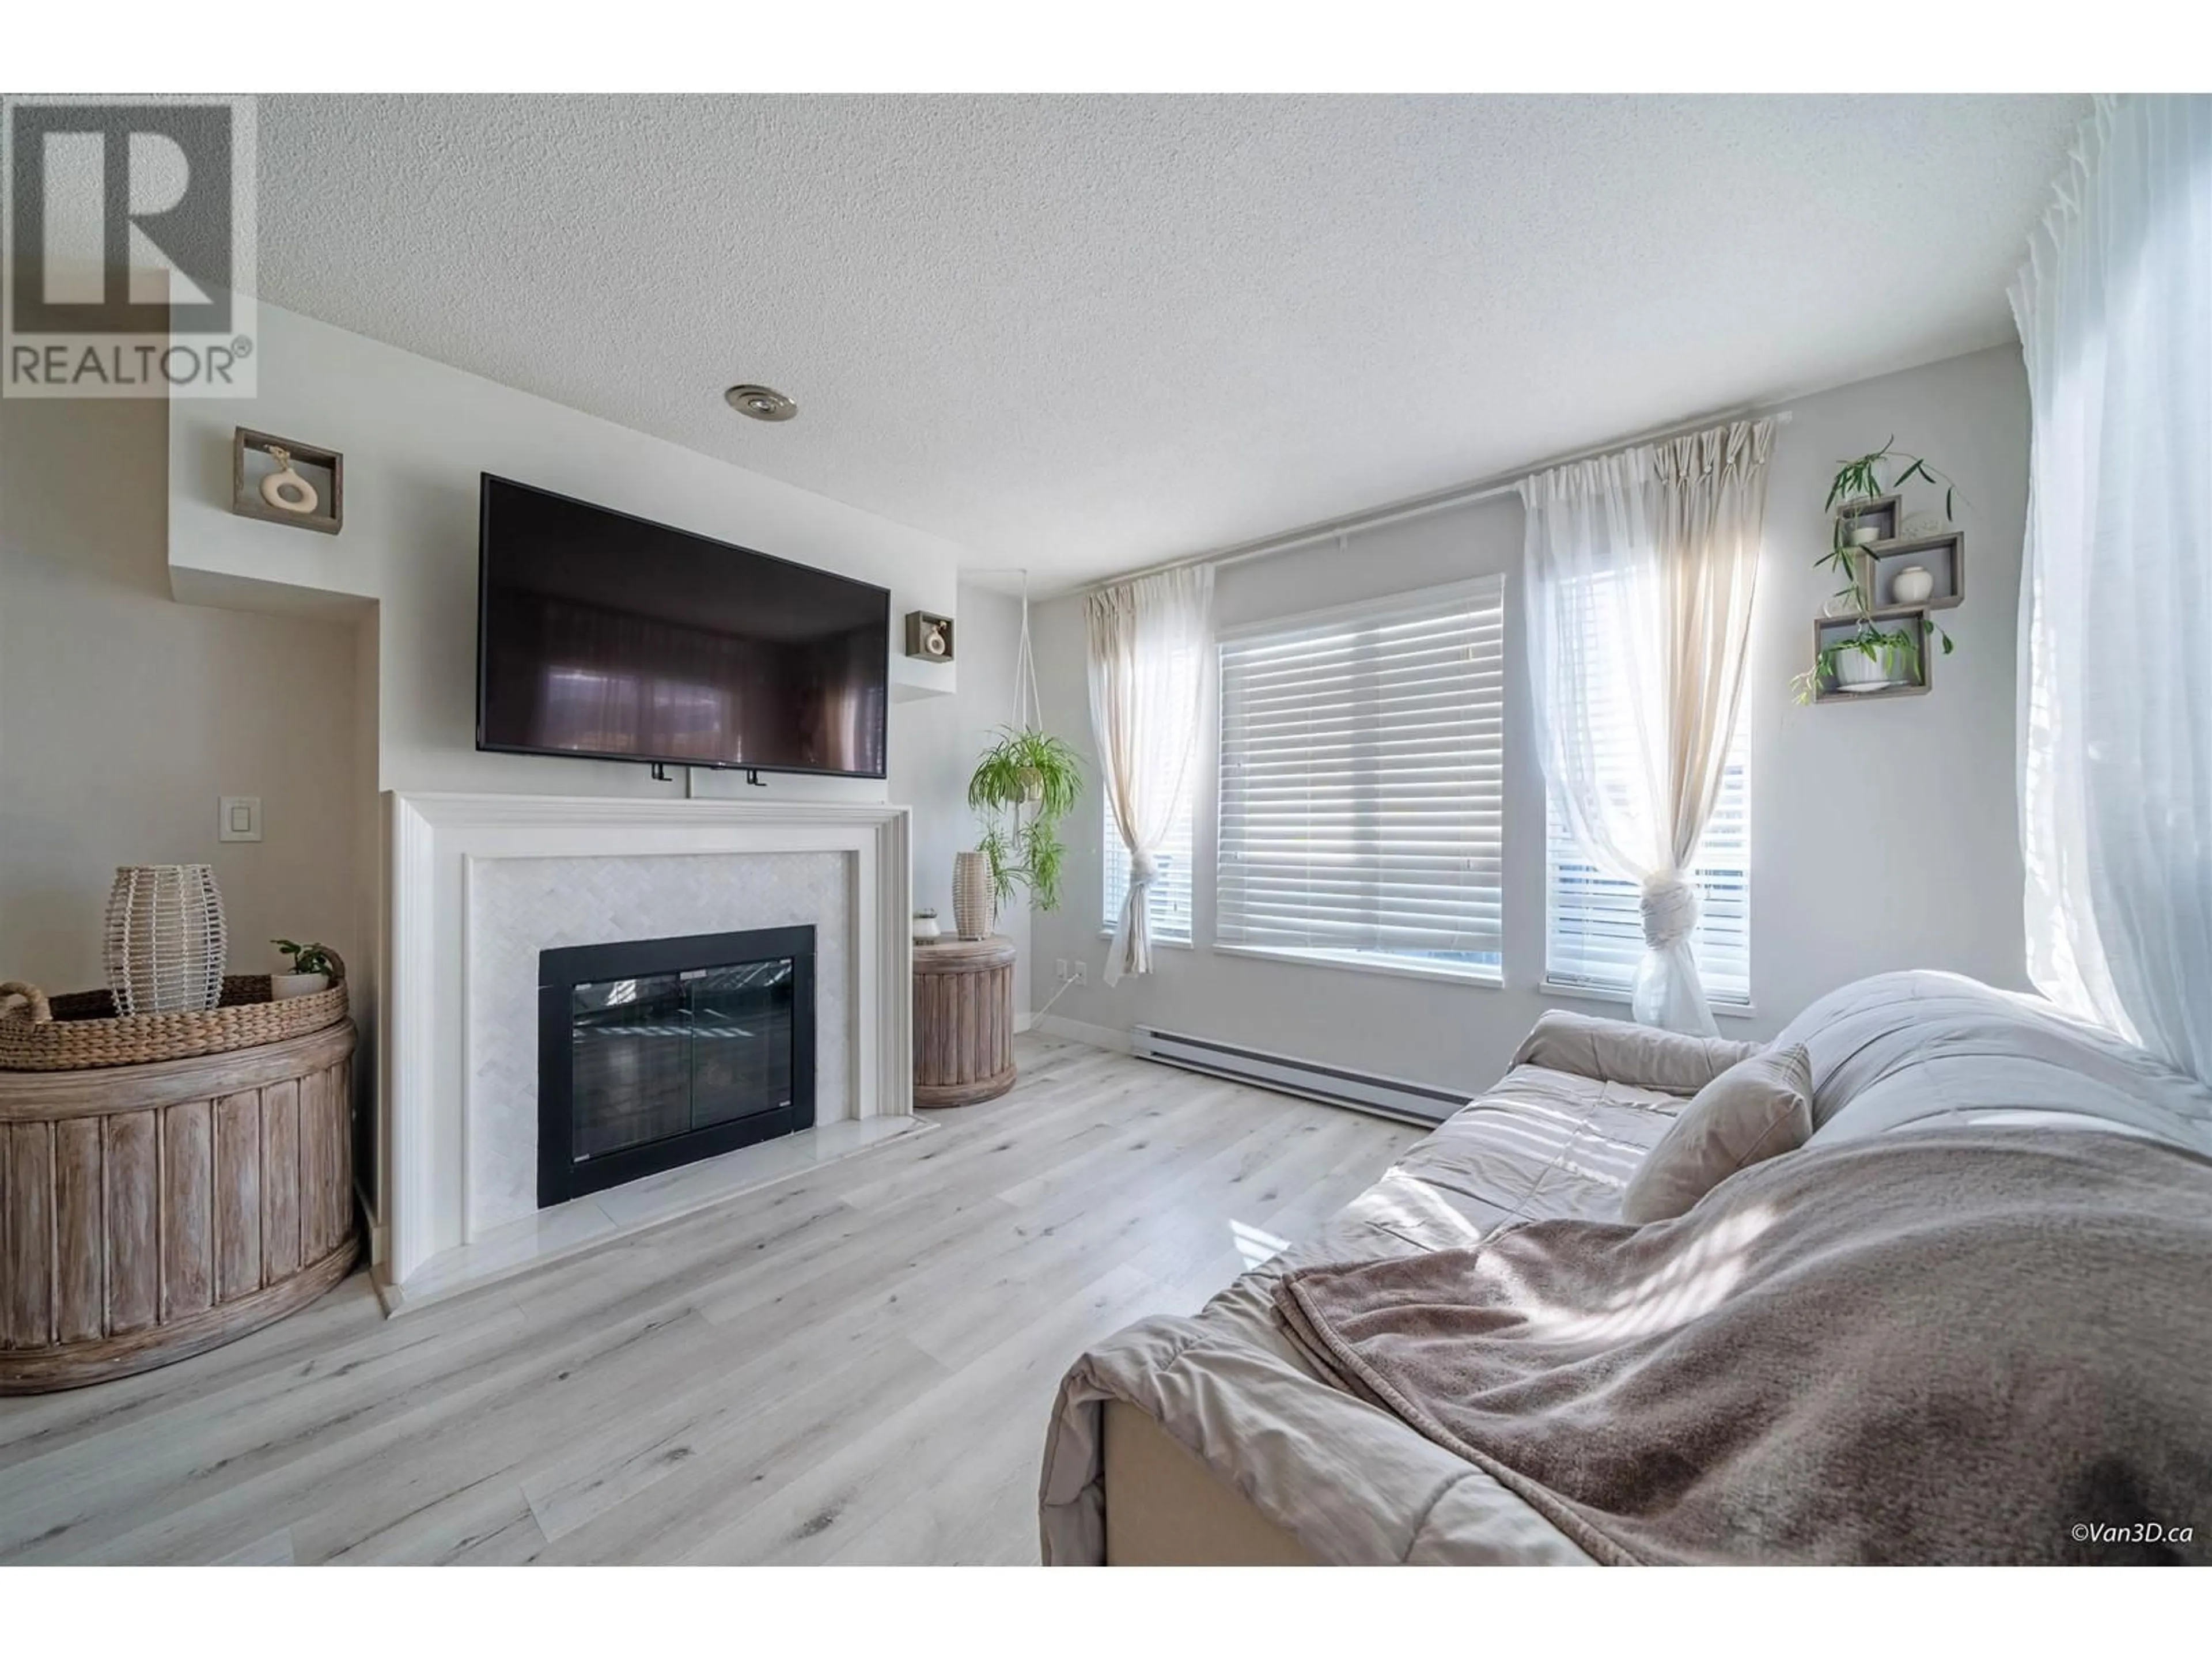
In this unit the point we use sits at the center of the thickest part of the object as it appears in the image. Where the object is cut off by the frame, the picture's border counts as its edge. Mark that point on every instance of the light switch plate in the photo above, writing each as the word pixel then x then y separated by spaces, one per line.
pixel 240 818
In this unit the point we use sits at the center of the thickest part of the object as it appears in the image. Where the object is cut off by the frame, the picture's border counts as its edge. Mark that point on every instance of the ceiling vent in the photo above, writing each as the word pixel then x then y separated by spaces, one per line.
pixel 761 403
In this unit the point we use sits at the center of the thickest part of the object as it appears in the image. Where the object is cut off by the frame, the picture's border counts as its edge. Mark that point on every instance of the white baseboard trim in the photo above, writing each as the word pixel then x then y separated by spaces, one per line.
pixel 1075 1030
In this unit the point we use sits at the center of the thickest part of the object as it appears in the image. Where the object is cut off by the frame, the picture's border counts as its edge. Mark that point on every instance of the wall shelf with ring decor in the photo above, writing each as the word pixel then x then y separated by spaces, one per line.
pixel 286 481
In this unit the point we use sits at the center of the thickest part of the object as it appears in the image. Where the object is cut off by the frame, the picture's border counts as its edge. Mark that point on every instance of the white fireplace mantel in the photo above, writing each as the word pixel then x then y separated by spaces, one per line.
pixel 441 847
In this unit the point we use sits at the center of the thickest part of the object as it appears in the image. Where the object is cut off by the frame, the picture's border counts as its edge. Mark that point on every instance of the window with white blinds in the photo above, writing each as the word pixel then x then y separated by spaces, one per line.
pixel 1594 931
pixel 1362 783
pixel 1170 892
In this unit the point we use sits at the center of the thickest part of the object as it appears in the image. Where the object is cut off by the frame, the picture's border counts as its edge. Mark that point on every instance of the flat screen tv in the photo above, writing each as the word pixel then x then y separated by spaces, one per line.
pixel 609 636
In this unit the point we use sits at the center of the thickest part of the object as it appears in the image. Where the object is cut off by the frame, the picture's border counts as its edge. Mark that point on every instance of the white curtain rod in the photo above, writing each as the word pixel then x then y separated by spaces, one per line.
pixel 1417 506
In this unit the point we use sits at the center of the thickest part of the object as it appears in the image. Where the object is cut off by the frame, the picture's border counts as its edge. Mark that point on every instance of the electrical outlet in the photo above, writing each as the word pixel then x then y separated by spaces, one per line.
pixel 1059 968
pixel 1082 976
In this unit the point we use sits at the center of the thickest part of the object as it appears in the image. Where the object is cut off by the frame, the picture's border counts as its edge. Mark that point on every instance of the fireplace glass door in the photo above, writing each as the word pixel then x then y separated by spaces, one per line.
pixel 649 1058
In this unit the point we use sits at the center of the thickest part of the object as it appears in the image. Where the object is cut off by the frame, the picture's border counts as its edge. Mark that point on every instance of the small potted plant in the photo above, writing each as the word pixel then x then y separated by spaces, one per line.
pixel 314 967
pixel 1870 657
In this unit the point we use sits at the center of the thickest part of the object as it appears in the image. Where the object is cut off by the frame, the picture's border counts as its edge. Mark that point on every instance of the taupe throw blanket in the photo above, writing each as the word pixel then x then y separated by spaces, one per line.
pixel 1987 1345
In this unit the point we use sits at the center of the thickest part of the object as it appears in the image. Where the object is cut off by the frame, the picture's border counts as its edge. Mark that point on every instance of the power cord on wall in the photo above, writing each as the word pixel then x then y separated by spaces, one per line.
pixel 1049 1000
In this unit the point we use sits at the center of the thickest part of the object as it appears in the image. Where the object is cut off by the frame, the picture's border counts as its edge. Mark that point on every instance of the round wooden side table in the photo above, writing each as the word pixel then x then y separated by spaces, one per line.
pixel 963 1021
pixel 156 1211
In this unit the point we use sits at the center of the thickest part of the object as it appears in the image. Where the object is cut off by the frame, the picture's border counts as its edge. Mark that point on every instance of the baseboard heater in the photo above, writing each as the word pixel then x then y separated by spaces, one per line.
pixel 1385 1096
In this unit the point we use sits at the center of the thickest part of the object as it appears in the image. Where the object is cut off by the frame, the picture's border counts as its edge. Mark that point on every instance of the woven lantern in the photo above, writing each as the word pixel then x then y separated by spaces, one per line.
pixel 973 900
pixel 163 948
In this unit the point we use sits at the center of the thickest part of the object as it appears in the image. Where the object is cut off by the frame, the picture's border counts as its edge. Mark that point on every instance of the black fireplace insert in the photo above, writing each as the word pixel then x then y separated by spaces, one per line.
pixel 659 1051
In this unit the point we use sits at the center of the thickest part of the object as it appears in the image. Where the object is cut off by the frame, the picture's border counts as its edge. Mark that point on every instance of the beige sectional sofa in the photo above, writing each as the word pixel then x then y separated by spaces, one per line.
pixel 1211 1439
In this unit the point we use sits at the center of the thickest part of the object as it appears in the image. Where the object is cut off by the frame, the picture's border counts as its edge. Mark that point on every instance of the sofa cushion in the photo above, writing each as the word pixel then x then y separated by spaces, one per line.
pixel 1924 1050
pixel 1615 1051
pixel 1758 1108
pixel 1540 1146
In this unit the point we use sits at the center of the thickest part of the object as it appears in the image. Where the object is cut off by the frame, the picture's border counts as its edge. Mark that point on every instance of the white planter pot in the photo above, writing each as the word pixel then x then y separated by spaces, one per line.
pixel 1855 667
pixel 296 985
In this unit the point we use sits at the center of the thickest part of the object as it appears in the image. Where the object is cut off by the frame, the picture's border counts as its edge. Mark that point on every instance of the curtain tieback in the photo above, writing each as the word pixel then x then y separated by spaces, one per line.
pixel 1144 870
pixel 1670 909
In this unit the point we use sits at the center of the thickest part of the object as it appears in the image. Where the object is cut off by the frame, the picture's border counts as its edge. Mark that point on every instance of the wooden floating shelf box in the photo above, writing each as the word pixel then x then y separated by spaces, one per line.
pixel 1891 553
pixel 1949 570
pixel 322 468
pixel 1827 629
pixel 1830 695
pixel 1882 512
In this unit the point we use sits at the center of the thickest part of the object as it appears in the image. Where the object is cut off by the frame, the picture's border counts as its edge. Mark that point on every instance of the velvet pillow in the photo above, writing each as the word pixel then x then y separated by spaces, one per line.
pixel 1758 1108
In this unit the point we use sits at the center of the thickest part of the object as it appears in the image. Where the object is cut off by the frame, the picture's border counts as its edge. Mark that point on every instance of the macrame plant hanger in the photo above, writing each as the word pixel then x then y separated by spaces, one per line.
pixel 1028 708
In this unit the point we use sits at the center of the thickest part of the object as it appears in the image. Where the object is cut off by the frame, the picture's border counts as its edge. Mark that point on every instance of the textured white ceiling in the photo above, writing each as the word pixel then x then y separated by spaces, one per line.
pixel 1086 334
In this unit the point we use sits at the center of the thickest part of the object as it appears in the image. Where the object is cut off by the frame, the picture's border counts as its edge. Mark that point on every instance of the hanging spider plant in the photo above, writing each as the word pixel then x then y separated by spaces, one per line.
pixel 1026 782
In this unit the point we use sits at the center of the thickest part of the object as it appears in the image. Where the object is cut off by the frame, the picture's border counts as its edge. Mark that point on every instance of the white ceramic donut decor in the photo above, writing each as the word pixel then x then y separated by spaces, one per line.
pixel 285 489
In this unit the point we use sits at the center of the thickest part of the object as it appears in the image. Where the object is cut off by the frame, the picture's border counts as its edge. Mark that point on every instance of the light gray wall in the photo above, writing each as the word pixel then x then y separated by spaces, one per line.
pixel 1884 836
pixel 934 743
pixel 124 715
pixel 417 434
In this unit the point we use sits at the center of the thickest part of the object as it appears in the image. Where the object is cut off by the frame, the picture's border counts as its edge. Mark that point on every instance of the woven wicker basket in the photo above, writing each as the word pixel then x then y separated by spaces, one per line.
pixel 82 1031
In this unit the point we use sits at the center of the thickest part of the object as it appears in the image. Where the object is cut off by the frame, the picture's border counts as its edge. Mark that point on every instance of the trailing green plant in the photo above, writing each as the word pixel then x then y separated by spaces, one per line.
pixel 309 958
pixel 1026 782
pixel 1855 480
pixel 1871 641
pixel 1859 479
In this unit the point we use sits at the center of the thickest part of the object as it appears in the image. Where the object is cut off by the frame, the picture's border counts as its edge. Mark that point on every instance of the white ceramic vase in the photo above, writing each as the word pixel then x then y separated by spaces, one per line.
pixel 1912 585
pixel 296 985
pixel 926 930
pixel 971 895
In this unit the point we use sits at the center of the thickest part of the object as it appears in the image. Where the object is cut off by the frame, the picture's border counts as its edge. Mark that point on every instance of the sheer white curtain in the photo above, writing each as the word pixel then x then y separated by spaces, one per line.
pixel 2115 313
pixel 1148 642
pixel 1640 570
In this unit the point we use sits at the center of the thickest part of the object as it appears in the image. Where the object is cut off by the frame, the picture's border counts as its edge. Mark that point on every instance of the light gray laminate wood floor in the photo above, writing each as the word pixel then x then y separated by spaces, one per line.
pixel 853 1365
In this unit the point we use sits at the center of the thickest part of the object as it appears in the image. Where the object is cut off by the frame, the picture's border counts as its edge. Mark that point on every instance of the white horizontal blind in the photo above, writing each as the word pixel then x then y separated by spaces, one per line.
pixel 1362 780
pixel 1594 932
pixel 1170 893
